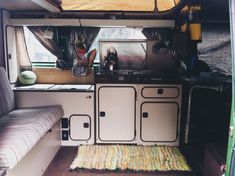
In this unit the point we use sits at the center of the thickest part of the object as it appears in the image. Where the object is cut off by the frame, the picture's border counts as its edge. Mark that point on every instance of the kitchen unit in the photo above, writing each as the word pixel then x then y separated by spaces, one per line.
pixel 159 114
pixel 145 114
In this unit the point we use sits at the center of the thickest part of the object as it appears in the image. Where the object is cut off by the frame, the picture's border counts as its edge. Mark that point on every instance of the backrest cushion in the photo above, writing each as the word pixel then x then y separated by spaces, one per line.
pixel 7 101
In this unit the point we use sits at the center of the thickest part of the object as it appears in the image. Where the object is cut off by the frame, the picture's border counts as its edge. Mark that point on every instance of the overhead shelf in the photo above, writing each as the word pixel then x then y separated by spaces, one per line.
pixel 93 22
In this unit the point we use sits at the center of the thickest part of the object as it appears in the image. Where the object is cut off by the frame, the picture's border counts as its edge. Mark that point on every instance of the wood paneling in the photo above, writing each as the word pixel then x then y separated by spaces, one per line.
pixel 55 76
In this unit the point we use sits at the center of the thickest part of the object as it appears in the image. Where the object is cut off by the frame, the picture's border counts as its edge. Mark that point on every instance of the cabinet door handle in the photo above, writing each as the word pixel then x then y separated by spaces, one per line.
pixel 160 91
pixel 102 114
pixel 145 115
pixel 86 125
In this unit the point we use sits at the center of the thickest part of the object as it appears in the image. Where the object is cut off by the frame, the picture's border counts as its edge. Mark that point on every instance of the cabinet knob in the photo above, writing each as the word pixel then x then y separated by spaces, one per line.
pixel 102 114
pixel 86 125
pixel 160 91
pixel 145 115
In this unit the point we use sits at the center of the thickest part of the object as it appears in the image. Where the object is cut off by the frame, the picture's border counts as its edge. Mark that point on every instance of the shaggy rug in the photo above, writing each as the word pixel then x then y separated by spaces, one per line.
pixel 128 157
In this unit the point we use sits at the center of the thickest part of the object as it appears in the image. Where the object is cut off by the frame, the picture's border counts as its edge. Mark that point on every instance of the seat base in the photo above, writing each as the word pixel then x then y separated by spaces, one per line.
pixel 38 159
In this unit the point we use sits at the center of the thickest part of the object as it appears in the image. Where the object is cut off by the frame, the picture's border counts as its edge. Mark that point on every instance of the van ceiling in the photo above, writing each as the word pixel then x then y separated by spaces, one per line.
pixel 68 8
pixel 119 5
pixel 43 8
pixel 88 5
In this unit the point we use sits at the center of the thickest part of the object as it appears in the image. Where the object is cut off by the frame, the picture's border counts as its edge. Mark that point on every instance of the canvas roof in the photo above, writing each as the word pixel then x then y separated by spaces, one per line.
pixel 119 5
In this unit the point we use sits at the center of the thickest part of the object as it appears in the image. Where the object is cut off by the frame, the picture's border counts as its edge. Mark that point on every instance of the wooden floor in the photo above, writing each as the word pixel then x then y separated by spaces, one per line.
pixel 60 167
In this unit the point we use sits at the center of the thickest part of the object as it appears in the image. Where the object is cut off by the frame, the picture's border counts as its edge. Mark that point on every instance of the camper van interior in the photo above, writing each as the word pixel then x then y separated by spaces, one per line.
pixel 119 87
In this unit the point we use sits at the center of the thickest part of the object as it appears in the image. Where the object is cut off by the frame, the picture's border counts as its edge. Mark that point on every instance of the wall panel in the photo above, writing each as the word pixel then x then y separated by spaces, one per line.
pixel 1 40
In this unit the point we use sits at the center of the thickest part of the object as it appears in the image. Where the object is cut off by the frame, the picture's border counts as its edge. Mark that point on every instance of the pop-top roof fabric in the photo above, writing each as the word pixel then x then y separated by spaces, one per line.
pixel 108 5
pixel 118 5
pixel 164 5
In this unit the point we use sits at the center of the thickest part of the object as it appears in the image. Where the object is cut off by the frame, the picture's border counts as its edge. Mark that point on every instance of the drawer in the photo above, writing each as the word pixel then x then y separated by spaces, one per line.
pixel 160 92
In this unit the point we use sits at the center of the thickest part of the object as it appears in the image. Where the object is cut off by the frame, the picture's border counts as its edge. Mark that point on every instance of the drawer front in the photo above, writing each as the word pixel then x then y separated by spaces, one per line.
pixel 160 92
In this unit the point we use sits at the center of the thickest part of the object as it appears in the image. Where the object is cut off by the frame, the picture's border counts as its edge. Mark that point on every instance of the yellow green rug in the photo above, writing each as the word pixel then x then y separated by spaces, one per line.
pixel 128 157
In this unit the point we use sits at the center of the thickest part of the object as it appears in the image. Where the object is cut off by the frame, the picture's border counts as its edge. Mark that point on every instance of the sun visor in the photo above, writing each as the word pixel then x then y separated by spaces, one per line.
pixel 108 5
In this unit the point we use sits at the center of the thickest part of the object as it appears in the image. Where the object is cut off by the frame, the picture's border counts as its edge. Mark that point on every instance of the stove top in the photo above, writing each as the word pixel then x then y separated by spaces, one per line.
pixel 125 72
pixel 135 76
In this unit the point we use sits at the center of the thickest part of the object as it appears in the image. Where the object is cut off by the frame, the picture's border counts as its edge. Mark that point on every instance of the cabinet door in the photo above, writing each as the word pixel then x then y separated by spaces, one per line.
pixel 159 122
pixel 116 107
pixel 80 127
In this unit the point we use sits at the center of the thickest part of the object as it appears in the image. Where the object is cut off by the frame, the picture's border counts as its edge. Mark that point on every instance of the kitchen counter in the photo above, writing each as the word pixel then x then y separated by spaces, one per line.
pixel 132 78
pixel 207 79
pixel 56 88
pixel 149 77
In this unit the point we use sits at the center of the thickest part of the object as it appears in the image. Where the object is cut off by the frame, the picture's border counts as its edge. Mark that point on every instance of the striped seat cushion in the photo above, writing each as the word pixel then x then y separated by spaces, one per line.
pixel 21 129
pixel 3 172
pixel 7 102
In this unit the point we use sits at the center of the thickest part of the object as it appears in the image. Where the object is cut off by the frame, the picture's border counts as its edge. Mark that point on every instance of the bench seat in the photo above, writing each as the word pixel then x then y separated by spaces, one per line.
pixel 21 129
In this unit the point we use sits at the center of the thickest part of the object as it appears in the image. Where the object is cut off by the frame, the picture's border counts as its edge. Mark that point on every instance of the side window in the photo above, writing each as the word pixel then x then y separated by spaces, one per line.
pixel 38 54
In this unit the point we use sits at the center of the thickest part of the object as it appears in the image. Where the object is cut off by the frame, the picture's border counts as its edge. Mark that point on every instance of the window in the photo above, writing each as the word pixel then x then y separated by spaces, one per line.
pixel 38 54
pixel 116 33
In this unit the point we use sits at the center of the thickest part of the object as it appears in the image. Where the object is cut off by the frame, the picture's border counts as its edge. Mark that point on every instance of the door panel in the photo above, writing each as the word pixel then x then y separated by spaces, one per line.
pixel 80 127
pixel 232 164
pixel 231 142
pixel 159 121
pixel 116 106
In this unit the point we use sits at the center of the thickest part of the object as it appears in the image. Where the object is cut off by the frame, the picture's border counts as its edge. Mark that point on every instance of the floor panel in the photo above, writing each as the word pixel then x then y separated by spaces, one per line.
pixel 60 167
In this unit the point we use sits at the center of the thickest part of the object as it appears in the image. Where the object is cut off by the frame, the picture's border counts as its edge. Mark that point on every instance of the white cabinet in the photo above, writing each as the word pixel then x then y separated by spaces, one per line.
pixel 78 109
pixel 116 113
pixel 143 114
pixel 159 121
pixel 80 127
pixel 159 114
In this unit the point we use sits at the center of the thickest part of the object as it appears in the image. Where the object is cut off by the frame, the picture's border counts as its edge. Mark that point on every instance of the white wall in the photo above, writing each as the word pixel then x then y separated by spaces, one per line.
pixel 6 21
